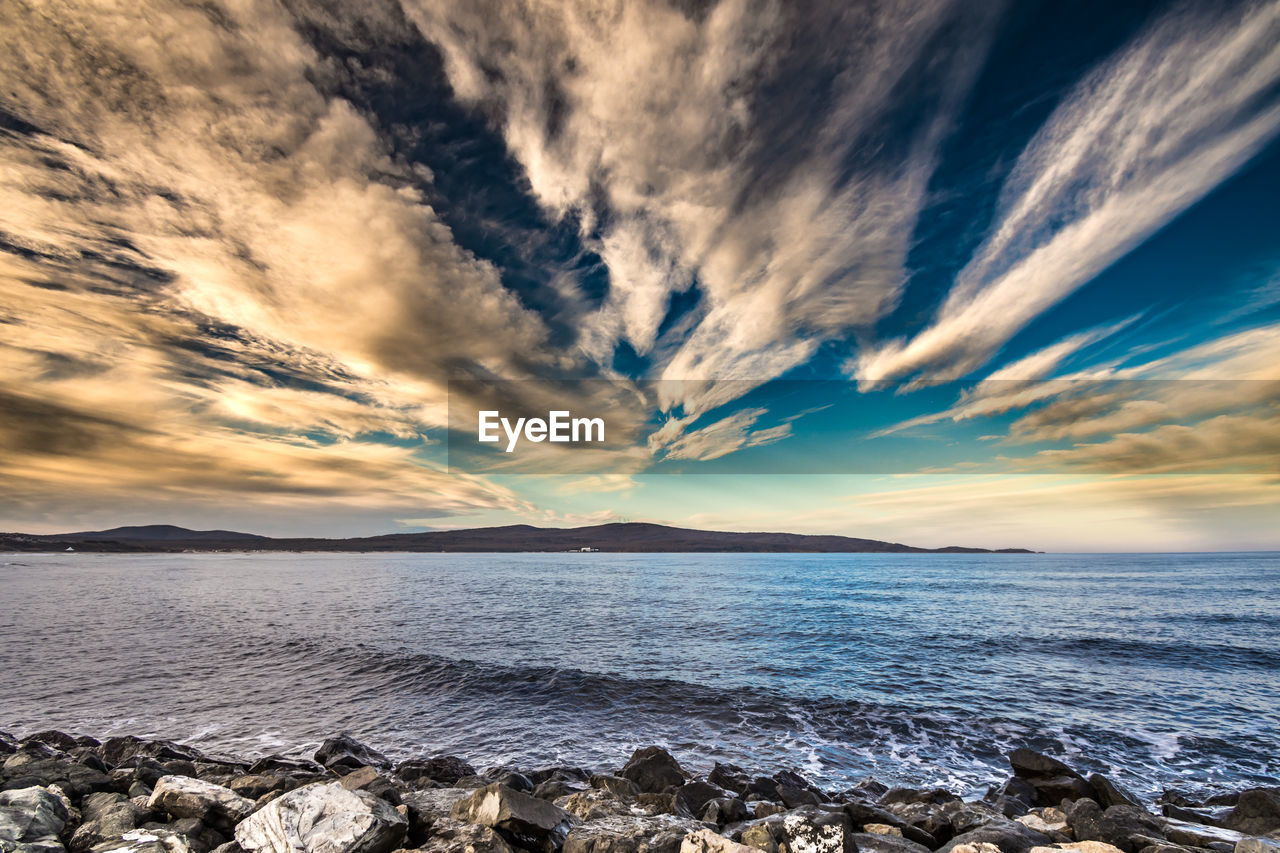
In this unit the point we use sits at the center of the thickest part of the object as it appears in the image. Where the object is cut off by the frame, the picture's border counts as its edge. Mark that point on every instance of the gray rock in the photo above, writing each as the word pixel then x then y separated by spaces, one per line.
pixel 794 798
pixel 1125 827
pixel 534 824
pixel 430 804
pixel 725 810
pixel 446 769
pixel 630 834
pixel 22 771
pixel 1028 763
pixel 286 766
pixel 344 754
pixel 106 815
pixel 1007 835
pixel 653 769
pixel 1198 835
pixel 1108 793
pixel 1256 812
pixel 451 836
pixel 1257 845
pixel 874 842
pixel 254 785
pixel 730 777
pixel 323 818
pixel 593 804
pixel 200 837
pixel 706 841
pixel 31 816
pixel 694 796
pixel 553 789
pixel 144 841
pixel 116 750
pixel 213 805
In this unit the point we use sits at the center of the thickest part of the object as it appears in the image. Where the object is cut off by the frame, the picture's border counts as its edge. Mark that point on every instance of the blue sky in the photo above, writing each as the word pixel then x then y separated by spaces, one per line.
pixel 935 272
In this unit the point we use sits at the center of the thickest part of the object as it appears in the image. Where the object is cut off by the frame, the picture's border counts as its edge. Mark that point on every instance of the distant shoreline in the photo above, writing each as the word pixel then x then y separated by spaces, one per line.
pixel 623 538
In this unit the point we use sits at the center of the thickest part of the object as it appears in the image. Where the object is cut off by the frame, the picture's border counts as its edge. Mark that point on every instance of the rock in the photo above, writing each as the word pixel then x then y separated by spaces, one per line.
pixel 105 815
pixel 229 847
pixel 862 814
pixel 1257 845
pixel 144 841
pixel 1007 835
pixel 8 744
pixel 286 766
pixel 254 785
pixel 1198 835
pixel 805 830
pixel 57 740
pixel 32 816
pixel 762 787
pixel 621 787
pixel 1029 764
pixel 902 796
pixel 659 804
pixel 344 753
pixel 200 837
pixel 653 769
pixel 980 847
pixel 446 769
pixel 1041 824
pixel 794 798
pixel 725 810
pixel 871 842
pixel 963 816
pixel 215 806
pixel 1121 826
pixel 1108 793
pixel 323 818
pixel 1256 812
pixel 534 824
pixel 630 834
pixel 1081 846
pixel 693 797
pixel 359 779
pixel 116 750
pixel 593 804
pixel 514 780
pixel 706 841
pixel 451 836
pixel 730 777
pixel 74 778
pixel 425 807
pixel 553 789
pixel 764 809
pixel 882 829
pixel 1084 816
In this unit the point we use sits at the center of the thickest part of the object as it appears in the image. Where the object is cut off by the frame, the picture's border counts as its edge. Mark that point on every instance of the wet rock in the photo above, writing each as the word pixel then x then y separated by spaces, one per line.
pixel 1198 835
pixel 446 769
pixel 694 796
pixel 1030 764
pixel 1108 793
pixel 873 842
pixel 630 834
pixel 532 823
pixel 514 780
pixel 964 817
pixel 323 818
pixel 862 814
pixel 762 787
pixel 619 786
pixel 8 744
pixel 1122 826
pixel 213 805
pixel 105 815
pixel 1256 812
pixel 116 750
pixel 730 777
pixel 593 804
pixel 653 770
pixel 553 789
pixel 904 796
pixel 32 816
pixel 1007 835
pixel 58 740
pixel 794 798
pixel 451 836
pixel 1084 816
pixel 144 841
pixel 725 810
pixel 805 830
pixel 660 804
pixel 344 753
pixel 286 766
pixel 706 841
pixel 1053 780
pixel 76 779
pixel 1200 816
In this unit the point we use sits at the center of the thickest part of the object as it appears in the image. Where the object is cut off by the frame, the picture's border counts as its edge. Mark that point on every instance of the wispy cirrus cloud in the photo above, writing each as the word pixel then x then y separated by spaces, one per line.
pixel 1143 137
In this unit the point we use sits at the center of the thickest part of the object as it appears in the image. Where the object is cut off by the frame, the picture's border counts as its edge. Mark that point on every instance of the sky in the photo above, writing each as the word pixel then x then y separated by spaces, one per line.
pixel 944 273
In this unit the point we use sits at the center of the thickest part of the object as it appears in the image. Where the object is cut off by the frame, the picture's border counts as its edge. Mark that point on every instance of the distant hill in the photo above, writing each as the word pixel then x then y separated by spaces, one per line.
pixel 636 538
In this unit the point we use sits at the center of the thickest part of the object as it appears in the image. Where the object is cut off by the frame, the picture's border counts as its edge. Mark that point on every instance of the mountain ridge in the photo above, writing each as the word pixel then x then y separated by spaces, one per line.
pixel 614 537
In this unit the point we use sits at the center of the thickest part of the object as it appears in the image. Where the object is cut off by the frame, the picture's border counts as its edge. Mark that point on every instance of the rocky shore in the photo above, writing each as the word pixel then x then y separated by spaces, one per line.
pixel 64 794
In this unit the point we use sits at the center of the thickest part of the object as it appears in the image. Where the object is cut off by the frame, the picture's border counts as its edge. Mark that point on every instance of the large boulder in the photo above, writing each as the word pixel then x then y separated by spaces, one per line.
pixel 532 823
pixel 630 834
pixel 24 769
pixel 1190 834
pixel 1109 793
pixel 344 754
pixel 31 819
pixel 1127 827
pixel 653 770
pixel 105 815
pixel 115 751
pixel 592 804
pixel 323 818
pixel 730 777
pixel 1053 780
pixel 1256 812
pixel 445 769
pixel 805 830
pixel 452 836
pixel 694 796
pixel 212 805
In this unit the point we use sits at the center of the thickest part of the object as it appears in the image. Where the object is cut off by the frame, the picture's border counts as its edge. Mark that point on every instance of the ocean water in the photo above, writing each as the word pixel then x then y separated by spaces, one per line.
pixel 1163 670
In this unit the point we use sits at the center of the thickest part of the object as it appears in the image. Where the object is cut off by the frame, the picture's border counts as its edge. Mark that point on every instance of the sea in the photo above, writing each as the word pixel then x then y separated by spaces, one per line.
pixel 1162 670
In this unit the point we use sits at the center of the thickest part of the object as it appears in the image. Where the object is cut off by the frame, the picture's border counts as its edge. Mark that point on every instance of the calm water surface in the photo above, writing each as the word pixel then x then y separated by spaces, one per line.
pixel 1163 669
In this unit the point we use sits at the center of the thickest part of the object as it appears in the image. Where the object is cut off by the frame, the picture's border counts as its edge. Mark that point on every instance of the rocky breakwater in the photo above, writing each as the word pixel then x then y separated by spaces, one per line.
pixel 63 794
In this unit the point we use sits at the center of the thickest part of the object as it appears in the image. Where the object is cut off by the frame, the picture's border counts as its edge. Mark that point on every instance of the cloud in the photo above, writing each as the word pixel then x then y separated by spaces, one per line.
pixel 673 139
pixel 720 438
pixel 1138 141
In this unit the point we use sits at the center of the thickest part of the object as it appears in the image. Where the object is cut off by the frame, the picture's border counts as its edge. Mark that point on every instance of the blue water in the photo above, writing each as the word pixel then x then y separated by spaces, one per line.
pixel 1161 669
